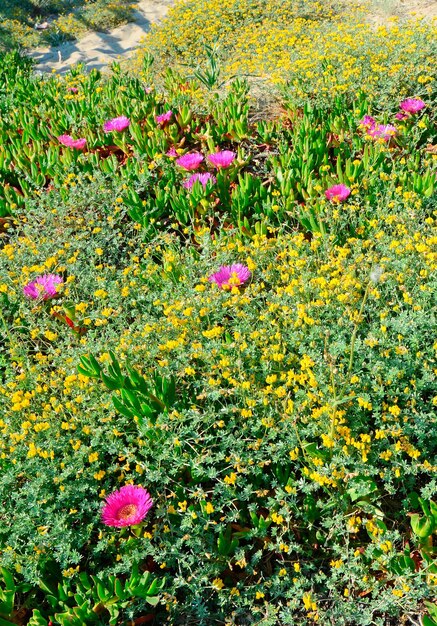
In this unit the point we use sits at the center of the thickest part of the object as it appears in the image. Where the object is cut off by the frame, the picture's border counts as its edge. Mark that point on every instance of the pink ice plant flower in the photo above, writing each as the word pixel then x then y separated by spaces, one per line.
pixel 67 140
pixel 368 121
pixel 382 131
pixel 43 287
pixel 401 116
pixel 412 105
pixel 73 89
pixel 127 506
pixel 190 161
pixel 229 276
pixel 203 178
pixel 338 193
pixel 164 118
pixel 116 124
pixel 172 152
pixel 222 159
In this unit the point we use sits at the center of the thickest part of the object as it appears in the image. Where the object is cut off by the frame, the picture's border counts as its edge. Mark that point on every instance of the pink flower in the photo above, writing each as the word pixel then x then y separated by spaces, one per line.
pixel 117 123
pixel 68 141
pixel 230 276
pixel 190 161
pixel 73 89
pixel 126 507
pixel 164 118
pixel 222 159
pixel 338 193
pixel 202 178
pixel 412 105
pixel 368 121
pixel 43 287
pixel 382 131
pixel 172 152
pixel 401 116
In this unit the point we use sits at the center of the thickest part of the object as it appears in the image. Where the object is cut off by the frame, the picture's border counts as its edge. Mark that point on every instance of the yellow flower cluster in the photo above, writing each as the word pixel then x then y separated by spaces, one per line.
pixel 310 46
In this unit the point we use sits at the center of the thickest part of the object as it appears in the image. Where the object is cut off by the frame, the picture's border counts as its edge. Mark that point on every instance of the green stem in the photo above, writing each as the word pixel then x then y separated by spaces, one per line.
pixel 7 330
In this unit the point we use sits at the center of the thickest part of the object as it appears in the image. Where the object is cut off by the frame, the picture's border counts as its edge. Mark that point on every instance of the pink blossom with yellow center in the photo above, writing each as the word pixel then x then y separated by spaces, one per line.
pixel 164 118
pixel 127 507
pixel 338 193
pixel 43 287
pixel 117 124
pixel 222 159
pixel 229 276
pixel 190 161
pixel 412 105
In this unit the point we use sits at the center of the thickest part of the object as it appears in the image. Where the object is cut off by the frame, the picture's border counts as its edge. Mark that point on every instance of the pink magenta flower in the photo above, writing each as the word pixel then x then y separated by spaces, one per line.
pixel 172 152
pixel 222 159
pixel 117 123
pixel 382 131
pixel 126 507
pixel 230 276
pixel 202 178
pixel 338 193
pixel 401 116
pixel 190 161
pixel 68 141
pixel 43 287
pixel 368 121
pixel 73 89
pixel 164 118
pixel 412 105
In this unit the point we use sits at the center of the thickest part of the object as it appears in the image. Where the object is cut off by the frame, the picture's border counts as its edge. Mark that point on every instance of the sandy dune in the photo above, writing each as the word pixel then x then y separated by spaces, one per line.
pixel 96 50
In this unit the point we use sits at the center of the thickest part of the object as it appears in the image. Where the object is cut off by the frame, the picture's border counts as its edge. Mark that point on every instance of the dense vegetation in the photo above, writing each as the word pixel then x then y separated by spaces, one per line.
pixel 281 414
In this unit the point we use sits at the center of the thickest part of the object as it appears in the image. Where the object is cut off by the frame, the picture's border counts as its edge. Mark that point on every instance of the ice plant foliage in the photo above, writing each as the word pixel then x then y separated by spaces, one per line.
pixel 203 178
pixel 67 140
pixel 117 124
pixel 337 193
pixel 222 159
pixel 412 105
pixel 127 506
pixel 43 287
pixel 229 276
pixel 190 161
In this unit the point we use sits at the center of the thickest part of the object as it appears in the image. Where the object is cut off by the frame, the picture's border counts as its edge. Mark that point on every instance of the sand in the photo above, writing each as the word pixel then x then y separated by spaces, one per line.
pixel 98 50
pixel 381 10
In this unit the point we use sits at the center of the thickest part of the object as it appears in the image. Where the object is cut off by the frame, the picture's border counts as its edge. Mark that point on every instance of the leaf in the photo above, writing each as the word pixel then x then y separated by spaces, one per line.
pixel 423 527
pixel 361 487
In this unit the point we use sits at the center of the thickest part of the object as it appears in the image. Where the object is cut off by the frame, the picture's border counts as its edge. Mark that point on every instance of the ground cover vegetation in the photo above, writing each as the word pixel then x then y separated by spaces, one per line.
pixel 63 20
pixel 218 351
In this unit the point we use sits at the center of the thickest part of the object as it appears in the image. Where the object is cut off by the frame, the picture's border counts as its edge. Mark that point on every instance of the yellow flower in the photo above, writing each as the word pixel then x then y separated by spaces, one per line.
pixel 218 584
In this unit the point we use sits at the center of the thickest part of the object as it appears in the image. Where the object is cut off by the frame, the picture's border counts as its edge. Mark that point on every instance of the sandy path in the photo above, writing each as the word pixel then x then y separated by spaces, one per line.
pixel 97 50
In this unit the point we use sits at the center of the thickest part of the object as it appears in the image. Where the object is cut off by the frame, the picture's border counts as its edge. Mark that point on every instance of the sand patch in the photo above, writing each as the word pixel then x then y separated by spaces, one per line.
pixel 97 50
pixel 381 10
